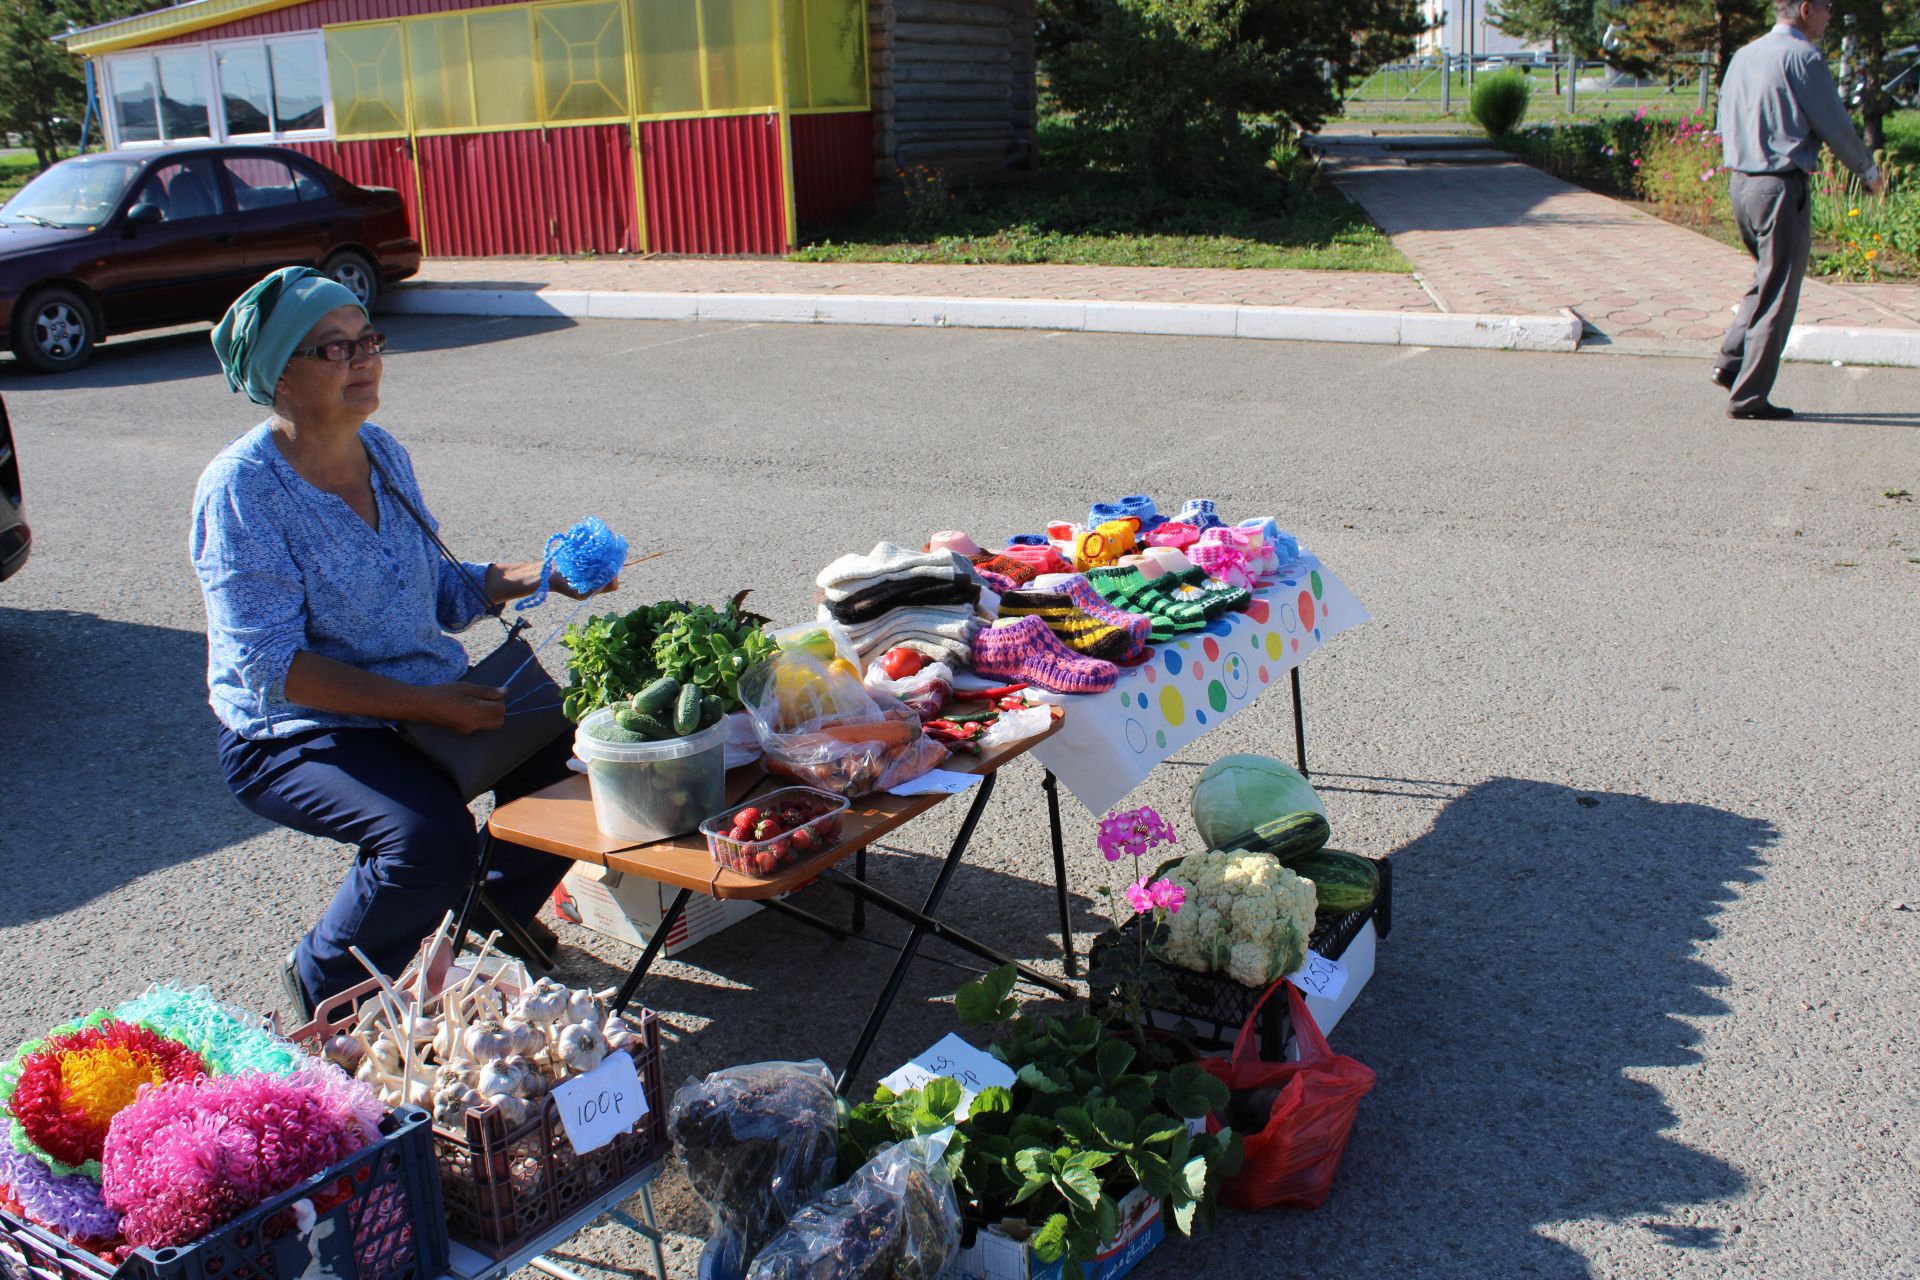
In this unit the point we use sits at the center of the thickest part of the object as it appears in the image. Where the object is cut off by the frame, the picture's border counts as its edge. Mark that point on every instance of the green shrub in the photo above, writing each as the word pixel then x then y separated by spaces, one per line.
pixel 1500 102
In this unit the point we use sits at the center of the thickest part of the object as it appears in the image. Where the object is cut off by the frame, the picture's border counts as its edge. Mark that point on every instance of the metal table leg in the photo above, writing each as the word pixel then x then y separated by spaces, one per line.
pixel 1051 785
pixel 890 992
pixel 477 896
pixel 1299 726
pixel 792 912
pixel 945 932
pixel 859 903
pixel 631 987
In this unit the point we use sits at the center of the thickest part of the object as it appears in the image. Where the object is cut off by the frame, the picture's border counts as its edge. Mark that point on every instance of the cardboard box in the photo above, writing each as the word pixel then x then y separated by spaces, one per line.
pixel 995 1256
pixel 630 908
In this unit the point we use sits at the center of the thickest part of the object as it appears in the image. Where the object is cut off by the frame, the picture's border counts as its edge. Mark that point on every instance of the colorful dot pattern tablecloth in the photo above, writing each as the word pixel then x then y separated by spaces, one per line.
pixel 1112 741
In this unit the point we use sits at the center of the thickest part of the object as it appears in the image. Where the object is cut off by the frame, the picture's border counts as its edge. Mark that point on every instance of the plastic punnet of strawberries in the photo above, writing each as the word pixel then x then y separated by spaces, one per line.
pixel 787 827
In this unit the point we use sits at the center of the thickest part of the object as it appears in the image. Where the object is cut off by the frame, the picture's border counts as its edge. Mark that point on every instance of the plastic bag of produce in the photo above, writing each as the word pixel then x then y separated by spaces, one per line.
pixel 896 1219
pixel 821 726
pixel 759 1142
pixel 926 692
pixel 1295 1116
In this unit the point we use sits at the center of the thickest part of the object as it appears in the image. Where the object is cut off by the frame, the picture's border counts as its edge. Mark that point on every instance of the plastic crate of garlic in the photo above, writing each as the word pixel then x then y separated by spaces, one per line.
pixel 481 1039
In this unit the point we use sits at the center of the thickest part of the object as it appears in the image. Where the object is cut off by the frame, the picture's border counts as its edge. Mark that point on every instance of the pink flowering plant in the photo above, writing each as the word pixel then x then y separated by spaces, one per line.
pixel 1132 835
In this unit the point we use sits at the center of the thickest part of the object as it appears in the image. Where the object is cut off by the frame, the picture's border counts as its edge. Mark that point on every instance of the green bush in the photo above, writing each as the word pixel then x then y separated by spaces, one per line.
pixel 1500 102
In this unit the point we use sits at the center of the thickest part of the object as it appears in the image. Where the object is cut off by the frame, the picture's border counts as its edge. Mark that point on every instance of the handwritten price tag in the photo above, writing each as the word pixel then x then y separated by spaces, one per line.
pixel 953 1057
pixel 1320 977
pixel 601 1105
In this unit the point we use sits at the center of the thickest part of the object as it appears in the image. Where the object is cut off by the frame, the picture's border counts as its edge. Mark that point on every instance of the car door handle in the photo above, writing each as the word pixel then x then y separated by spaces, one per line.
pixel 222 238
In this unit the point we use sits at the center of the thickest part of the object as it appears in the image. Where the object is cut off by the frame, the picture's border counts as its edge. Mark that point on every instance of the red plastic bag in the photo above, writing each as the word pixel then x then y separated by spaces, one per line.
pixel 1291 1162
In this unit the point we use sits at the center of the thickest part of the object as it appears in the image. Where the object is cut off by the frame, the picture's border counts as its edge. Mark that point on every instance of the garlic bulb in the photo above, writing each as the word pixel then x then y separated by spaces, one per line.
pixel 533 1085
pixel 618 1032
pixel 582 1007
pixel 488 1041
pixel 581 1047
pixel 344 1051
pixel 386 1056
pixel 499 1077
pixel 527 1039
pixel 451 1073
pixel 452 1102
pixel 545 1003
pixel 513 1110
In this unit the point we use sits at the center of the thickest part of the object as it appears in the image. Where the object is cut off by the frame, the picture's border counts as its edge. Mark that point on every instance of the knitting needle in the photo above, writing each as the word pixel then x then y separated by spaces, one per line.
pixel 568 620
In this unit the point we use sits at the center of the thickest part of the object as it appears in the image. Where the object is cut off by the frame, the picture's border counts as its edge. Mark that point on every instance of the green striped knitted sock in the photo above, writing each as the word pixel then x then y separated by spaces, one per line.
pixel 1124 587
pixel 1213 598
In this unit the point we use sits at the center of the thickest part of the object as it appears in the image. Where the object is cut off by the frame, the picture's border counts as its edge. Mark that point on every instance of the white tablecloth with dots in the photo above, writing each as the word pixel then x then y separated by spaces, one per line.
pixel 1111 741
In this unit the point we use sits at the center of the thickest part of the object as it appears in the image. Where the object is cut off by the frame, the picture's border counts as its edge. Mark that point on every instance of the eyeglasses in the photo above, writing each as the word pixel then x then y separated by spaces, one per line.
pixel 341 350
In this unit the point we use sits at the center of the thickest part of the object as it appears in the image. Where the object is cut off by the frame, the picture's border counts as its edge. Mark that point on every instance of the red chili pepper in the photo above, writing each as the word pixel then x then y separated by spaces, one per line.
pixel 986 695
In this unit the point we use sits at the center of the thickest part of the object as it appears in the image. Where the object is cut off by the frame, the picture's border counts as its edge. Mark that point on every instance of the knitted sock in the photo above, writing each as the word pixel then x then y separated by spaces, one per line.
pixel 1200 514
pixel 998 584
pixel 1137 625
pixel 1213 598
pixel 1174 533
pixel 1040 559
pixel 1076 628
pixel 1005 566
pixel 1028 540
pixel 1027 650
pixel 1125 589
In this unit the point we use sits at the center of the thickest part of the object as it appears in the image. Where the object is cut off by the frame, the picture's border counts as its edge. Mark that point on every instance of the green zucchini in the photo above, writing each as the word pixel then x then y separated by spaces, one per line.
pixel 1342 882
pixel 1293 836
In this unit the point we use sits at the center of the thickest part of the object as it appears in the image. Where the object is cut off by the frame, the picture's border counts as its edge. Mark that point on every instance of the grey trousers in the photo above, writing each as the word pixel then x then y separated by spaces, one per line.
pixel 1776 222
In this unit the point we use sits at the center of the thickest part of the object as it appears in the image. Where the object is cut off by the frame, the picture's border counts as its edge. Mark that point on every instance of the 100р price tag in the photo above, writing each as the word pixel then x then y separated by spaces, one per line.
pixel 601 1105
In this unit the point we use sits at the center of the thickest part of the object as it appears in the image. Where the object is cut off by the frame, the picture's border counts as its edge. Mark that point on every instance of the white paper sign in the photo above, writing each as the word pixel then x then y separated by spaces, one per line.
pixel 952 1056
pixel 601 1105
pixel 1320 977
pixel 942 782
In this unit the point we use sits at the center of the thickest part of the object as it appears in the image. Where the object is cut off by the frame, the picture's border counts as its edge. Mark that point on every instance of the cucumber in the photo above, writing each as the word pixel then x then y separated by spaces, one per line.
pixel 711 709
pixel 1342 882
pixel 657 697
pixel 686 712
pixel 1293 836
pixel 651 728
pixel 607 731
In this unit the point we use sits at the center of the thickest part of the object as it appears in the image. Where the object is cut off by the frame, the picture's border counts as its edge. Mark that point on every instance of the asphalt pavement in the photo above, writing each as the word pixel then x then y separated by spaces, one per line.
pixel 1634 718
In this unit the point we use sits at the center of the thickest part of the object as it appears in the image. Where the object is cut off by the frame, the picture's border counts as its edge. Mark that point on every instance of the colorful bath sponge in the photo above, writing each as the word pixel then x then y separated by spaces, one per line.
pixel 68 1088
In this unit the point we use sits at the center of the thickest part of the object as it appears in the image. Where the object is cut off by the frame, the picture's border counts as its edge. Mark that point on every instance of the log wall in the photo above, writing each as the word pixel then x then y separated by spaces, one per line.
pixel 953 85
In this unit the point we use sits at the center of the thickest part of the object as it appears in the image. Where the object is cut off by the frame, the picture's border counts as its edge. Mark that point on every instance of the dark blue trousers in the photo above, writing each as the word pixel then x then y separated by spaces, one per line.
pixel 417 843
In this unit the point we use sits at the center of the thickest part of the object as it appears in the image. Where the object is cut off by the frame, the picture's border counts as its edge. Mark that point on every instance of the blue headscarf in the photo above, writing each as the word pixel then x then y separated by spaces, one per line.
pixel 257 336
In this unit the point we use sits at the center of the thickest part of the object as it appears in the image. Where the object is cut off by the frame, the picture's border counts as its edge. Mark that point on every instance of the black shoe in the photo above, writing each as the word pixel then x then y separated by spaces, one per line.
pixel 1764 411
pixel 296 991
pixel 1724 377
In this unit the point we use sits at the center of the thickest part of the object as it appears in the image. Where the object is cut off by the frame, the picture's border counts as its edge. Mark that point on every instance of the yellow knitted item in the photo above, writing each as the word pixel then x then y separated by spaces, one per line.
pixel 1101 547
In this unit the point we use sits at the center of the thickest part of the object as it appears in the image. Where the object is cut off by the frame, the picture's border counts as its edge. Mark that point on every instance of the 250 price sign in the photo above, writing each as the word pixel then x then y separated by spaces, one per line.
pixel 601 1105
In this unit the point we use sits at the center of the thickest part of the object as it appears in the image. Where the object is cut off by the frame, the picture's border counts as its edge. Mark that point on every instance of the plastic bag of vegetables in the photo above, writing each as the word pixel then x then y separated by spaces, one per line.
pixel 821 726
pixel 759 1142
pixel 895 1219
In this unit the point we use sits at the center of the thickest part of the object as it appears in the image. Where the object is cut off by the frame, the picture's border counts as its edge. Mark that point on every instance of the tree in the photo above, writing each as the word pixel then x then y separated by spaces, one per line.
pixel 1571 27
pixel 1169 81
pixel 1871 25
pixel 43 94
pixel 1663 36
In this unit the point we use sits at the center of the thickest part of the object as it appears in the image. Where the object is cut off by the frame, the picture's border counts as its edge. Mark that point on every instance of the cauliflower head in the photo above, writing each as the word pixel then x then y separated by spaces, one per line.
pixel 1245 915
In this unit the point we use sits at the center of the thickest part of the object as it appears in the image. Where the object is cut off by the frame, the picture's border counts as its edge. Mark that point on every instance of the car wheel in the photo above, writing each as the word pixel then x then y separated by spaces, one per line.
pixel 54 331
pixel 354 271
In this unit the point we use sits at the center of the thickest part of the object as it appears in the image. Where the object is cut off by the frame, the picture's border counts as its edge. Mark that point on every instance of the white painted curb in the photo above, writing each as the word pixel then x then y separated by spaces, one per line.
pixel 1827 343
pixel 1297 324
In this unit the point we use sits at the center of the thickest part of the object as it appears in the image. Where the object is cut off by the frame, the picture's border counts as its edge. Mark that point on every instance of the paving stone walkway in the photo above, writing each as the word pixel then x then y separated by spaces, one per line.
pixel 1491 235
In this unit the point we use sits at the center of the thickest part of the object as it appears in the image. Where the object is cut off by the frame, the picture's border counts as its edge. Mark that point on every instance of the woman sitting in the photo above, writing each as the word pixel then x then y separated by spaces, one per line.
pixel 328 609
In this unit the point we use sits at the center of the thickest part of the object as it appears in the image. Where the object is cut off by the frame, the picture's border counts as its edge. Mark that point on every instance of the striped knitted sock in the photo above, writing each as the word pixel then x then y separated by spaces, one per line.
pixel 1137 625
pixel 1027 650
pixel 1075 628
pixel 1127 589
pixel 1005 566
pixel 1212 597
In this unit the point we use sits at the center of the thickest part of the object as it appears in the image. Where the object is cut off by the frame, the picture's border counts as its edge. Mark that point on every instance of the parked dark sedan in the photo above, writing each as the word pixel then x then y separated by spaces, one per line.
pixel 16 539
pixel 127 240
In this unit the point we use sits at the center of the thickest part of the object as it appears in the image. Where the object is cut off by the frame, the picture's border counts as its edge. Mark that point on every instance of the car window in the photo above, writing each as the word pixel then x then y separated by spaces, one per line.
pixel 73 193
pixel 261 183
pixel 310 184
pixel 182 190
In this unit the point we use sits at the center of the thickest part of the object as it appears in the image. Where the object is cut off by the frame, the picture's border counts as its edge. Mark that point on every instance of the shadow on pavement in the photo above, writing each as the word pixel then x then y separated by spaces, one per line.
pixel 1541 964
pixel 175 355
pixel 109 769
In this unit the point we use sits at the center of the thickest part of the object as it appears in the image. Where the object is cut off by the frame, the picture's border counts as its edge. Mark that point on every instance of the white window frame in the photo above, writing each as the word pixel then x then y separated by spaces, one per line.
pixel 216 104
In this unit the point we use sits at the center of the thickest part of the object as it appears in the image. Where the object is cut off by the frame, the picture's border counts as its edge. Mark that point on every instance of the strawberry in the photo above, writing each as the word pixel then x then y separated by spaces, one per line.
pixel 803 840
pixel 766 829
pixel 765 863
pixel 781 849
pixel 748 817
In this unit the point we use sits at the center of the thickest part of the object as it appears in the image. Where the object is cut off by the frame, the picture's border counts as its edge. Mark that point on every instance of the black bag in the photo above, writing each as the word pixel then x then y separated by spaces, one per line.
pixel 476 761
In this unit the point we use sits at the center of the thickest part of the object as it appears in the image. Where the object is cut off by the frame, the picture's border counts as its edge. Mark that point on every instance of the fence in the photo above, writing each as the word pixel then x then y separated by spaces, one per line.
pixel 1442 85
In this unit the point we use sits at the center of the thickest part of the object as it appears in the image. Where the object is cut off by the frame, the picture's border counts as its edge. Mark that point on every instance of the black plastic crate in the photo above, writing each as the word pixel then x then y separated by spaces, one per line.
pixel 377 1216
pixel 1216 1006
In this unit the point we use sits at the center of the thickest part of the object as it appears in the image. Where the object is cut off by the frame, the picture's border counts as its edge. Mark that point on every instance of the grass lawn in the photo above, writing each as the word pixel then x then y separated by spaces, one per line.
pixel 1083 216
pixel 17 168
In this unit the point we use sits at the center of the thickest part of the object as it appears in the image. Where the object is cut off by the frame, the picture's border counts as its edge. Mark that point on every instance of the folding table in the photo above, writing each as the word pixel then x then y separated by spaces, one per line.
pixel 560 820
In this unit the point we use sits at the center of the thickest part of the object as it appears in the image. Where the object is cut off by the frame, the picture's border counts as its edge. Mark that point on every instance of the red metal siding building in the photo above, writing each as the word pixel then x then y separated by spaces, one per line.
pixel 551 127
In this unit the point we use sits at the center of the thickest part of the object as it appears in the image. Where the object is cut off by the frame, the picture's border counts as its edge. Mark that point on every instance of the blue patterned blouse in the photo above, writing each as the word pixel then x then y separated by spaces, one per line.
pixel 285 566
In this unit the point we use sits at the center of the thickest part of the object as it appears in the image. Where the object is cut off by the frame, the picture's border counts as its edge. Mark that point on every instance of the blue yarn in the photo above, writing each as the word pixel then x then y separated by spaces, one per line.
pixel 589 556
pixel 1028 540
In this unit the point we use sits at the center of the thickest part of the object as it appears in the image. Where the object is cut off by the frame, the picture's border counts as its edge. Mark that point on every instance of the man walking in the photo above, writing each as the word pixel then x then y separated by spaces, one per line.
pixel 1777 106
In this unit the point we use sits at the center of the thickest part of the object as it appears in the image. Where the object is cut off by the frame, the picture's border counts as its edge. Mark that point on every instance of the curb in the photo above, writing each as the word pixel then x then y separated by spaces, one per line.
pixel 1175 319
pixel 1826 343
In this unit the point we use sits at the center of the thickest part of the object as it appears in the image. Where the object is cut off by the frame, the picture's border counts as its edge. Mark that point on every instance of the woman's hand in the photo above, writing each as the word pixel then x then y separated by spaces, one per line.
pixel 517 581
pixel 559 585
pixel 460 707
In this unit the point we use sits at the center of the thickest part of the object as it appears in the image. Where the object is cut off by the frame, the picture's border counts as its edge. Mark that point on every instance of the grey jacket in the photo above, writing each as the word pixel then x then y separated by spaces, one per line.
pixel 1779 103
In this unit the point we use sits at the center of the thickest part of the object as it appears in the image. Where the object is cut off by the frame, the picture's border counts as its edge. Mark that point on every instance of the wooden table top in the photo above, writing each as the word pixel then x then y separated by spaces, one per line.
pixel 560 820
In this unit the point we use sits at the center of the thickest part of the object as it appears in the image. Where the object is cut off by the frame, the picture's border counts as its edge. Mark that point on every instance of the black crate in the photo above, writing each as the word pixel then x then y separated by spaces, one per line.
pixel 377 1217
pixel 1216 1006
